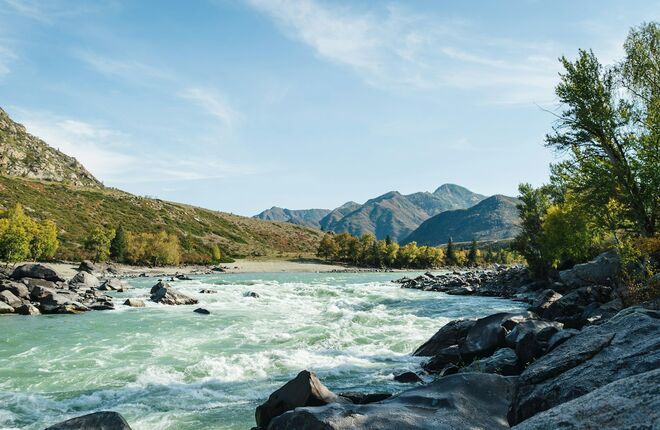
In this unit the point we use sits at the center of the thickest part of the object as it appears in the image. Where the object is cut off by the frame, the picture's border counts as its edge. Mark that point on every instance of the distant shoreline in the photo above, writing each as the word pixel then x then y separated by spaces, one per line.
pixel 69 269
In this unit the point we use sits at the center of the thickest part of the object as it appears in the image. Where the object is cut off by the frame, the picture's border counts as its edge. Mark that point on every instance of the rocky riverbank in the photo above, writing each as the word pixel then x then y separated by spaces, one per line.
pixel 576 358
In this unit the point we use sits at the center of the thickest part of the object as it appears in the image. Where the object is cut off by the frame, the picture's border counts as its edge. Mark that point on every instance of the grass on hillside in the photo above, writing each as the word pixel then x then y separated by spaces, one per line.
pixel 78 210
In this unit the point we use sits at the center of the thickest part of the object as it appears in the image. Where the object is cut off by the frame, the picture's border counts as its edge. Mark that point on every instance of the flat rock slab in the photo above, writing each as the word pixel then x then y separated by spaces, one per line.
pixel 625 345
pixel 458 402
pixel 629 403
pixel 37 271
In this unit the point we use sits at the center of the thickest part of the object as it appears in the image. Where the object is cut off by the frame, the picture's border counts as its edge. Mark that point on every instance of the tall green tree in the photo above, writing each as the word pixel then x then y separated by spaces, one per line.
pixel 118 245
pixel 473 255
pixel 98 242
pixel 450 254
pixel 533 206
pixel 609 129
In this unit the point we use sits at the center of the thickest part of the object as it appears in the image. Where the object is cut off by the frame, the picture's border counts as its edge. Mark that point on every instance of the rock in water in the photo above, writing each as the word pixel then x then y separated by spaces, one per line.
pixel 407 377
pixel 5 308
pixel 303 390
pixel 629 403
pixel 37 271
pixel 165 294
pixel 452 333
pixel 9 298
pixel 27 309
pixel 134 303
pixel 105 420
pixel 18 289
pixel 458 402
pixel 202 311
pixel 113 284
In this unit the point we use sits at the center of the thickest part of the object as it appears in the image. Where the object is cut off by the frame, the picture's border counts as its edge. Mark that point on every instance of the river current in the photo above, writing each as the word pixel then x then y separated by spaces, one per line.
pixel 165 367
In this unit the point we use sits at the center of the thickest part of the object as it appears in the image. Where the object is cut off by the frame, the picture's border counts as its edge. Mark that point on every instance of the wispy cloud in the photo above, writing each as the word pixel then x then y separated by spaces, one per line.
pixel 112 155
pixel 394 48
pixel 126 69
pixel 212 103
pixel 7 56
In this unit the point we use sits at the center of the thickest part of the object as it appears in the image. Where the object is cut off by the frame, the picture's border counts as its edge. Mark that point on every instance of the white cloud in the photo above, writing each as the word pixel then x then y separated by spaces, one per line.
pixel 395 49
pixel 7 56
pixel 213 103
pixel 126 69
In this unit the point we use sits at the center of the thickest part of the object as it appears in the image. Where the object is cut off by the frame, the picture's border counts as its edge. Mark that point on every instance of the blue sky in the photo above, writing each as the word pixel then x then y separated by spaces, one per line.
pixel 241 105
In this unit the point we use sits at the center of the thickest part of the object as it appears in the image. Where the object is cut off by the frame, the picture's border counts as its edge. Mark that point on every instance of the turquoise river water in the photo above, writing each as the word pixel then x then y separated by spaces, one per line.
pixel 165 367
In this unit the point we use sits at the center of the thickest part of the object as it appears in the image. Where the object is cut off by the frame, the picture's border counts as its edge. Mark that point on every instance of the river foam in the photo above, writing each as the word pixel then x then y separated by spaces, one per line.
pixel 164 367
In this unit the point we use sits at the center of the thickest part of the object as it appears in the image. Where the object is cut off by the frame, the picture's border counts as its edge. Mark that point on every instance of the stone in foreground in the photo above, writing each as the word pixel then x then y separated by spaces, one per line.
pixel 105 420
pixel 458 402
pixel 304 390
pixel 629 403
pixel 36 271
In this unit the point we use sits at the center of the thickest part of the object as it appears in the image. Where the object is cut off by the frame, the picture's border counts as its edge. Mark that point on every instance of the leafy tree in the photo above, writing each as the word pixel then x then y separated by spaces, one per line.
pixel 391 253
pixel 98 242
pixel 407 255
pixel 610 130
pixel 473 255
pixel 21 237
pixel 154 249
pixel 534 203
pixel 44 243
pixel 328 248
pixel 366 251
pixel 118 245
pixel 216 255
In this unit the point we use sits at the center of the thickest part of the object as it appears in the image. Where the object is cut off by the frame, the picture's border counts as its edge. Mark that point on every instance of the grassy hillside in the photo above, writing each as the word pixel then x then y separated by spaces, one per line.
pixel 77 210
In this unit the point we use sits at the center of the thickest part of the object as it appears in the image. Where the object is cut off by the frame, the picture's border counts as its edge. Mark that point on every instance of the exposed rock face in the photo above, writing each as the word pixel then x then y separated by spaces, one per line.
pixel 365 398
pixel 165 294
pixel 452 333
pixel 303 390
pixel 570 308
pixel 625 345
pixel 36 271
pixel 105 420
pixel 22 154
pixel 629 403
pixel 599 271
pixel 463 401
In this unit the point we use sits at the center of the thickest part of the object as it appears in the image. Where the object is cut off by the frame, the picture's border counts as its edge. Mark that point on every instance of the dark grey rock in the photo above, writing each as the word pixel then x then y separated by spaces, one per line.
pixel 629 403
pixel 365 398
pixel 165 294
pixel 88 266
pixel 84 279
pixel 561 337
pixel 602 270
pixel 303 390
pixel 458 402
pixel 625 345
pixel 503 361
pixel 202 311
pixel 252 294
pixel 18 289
pixel 488 334
pixel 113 284
pixel 105 420
pixel 444 357
pixel 407 378
pixel 570 309
pixel 37 271
pixel 452 333
pixel 28 309
pixel 544 299
pixel 535 326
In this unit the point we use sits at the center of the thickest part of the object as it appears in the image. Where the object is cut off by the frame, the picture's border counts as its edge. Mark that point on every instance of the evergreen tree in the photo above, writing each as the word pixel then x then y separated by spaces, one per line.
pixel 473 254
pixel 450 253
pixel 118 245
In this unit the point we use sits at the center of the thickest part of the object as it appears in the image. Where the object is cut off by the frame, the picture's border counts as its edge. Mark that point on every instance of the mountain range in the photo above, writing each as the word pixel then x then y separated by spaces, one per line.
pixel 53 185
pixel 424 217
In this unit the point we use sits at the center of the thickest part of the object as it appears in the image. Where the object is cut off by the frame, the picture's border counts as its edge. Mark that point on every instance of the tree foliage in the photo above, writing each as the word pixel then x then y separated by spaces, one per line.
pixel 118 245
pixel 21 237
pixel 153 249
pixel 98 242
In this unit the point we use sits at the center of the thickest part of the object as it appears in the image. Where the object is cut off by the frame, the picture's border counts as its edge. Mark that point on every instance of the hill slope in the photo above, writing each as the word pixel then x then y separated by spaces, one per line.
pixel 307 217
pixel 396 215
pixel 27 156
pixel 494 218
pixel 77 210
pixel 337 214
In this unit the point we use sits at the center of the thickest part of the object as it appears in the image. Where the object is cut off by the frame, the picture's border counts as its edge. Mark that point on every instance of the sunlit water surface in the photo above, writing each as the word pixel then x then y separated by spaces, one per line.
pixel 165 367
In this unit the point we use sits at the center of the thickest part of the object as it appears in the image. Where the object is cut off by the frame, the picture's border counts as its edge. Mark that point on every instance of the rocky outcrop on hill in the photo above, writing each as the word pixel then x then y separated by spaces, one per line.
pixel 24 155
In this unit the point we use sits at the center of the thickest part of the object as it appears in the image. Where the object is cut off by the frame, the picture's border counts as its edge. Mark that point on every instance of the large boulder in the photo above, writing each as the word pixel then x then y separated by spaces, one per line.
pixel 570 308
pixel 542 329
pixel 9 298
pixel 602 270
pixel 88 266
pixel 503 361
pixel 163 293
pixel 303 390
pixel 5 308
pixel 452 333
pixel 105 420
pixel 459 402
pixel 37 271
pixel 487 334
pixel 629 403
pixel 134 303
pixel 18 289
pixel 114 284
pixel 625 345
pixel 84 280
pixel 27 309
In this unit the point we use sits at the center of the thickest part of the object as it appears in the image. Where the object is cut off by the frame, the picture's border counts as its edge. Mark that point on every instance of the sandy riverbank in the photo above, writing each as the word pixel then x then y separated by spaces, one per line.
pixel 69 269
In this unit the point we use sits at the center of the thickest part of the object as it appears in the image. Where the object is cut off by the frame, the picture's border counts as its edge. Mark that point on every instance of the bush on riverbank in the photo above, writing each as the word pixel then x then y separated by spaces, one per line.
pixel 22 238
